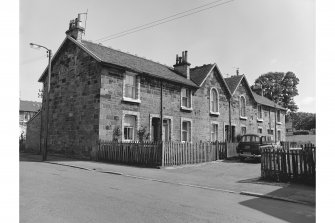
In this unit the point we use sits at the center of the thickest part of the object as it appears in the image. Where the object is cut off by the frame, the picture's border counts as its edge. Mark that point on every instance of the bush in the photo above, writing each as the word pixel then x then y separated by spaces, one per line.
pixel 301 132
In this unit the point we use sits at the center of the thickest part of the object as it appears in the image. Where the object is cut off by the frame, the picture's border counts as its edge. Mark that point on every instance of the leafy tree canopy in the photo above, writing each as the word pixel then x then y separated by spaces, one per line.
pixel 279 87
pixel 302 120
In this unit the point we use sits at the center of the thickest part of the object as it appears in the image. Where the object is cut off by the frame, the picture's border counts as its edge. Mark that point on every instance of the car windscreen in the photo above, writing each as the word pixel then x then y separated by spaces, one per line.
pixel 250 138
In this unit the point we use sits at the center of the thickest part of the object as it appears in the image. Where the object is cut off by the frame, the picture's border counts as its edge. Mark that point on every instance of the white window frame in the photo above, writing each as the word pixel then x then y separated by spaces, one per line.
pixel 259 127
pixel 164 117
pixel 259 119
pixel 182 119
pixel 214 123
pixel 138 88
pixel 217 101
pixel 137 127
pixel 243 126
pixel 181 99
pixel 245 108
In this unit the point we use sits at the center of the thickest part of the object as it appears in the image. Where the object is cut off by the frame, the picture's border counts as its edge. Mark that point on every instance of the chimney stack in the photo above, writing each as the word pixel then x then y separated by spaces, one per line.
pixel 182 66
pixel 76 30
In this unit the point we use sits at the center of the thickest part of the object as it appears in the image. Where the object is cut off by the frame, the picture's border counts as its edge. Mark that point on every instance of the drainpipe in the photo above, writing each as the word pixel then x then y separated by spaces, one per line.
pixel 230 129
pixel 161 113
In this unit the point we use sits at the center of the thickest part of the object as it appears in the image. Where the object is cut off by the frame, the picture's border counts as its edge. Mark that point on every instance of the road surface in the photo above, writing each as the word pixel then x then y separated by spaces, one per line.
pixel 54 193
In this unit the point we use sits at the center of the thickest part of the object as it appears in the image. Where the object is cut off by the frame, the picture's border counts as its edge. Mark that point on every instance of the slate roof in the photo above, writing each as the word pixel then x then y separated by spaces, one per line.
pixel 198 74
pixel 31 106
pixel 233 82
pixel 265 101
pixel 138 64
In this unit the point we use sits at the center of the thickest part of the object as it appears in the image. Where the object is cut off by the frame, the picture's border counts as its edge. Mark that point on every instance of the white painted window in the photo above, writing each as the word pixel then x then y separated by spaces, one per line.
pixel 260 130
pixel 214 131
pixel 242 107
pixel 186 131
pixel 129 127
pixel 243 130
pixel 214 101
pixel 186 98
pixel 131 87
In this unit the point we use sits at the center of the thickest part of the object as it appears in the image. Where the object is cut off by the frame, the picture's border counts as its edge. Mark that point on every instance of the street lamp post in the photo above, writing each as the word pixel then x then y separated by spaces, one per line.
pixel 49 52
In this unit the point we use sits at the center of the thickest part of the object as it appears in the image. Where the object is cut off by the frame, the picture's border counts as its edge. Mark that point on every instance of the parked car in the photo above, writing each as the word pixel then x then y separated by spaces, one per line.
pixel 249 146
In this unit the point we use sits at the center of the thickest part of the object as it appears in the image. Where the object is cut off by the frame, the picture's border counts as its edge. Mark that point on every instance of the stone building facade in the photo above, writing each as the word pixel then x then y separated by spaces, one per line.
pixel 98 93
pixel 33 136
pixel 27 110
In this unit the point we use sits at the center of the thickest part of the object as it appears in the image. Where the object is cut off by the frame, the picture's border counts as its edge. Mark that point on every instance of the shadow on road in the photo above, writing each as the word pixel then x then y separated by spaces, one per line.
pixel 282 211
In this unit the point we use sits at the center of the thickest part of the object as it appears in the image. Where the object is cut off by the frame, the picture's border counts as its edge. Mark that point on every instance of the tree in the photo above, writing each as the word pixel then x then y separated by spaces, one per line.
pixel 303 120
pixel 279 87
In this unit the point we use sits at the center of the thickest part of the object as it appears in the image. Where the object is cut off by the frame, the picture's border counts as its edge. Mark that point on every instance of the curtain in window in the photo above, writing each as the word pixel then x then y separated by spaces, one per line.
pixel 130 86
pixel 129 127
pixel 186 98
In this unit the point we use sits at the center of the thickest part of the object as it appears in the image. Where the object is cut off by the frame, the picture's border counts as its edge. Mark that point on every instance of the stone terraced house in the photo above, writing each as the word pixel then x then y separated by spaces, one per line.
pixel 99 93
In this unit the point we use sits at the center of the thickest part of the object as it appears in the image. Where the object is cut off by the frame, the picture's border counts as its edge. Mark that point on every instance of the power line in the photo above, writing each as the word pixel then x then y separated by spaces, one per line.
pixel 145 26
pixel 137 27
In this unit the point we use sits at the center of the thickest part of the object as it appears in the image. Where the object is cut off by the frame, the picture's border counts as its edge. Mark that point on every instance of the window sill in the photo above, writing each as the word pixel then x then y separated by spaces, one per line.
pixel 260 120
pixel 279 123
pixel 243 118
pixel 186 108
pixel 131 100
pixel 214 113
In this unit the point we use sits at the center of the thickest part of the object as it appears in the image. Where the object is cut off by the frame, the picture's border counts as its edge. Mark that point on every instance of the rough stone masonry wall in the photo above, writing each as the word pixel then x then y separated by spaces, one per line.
pixel 112 106
pixel 74 102
pixel 202 119
pixel 251 123
pixel 33 134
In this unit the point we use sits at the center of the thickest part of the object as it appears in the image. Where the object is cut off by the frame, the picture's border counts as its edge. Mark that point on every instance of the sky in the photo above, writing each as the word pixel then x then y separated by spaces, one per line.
pixel 256 36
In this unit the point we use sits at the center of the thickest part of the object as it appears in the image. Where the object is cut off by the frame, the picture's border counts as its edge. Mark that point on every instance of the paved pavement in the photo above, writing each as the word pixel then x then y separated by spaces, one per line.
pixel 226 176
pixel 63 190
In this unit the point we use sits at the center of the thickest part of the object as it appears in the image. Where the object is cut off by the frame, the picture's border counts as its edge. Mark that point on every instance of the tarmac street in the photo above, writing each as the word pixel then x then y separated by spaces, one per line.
pixel 50 192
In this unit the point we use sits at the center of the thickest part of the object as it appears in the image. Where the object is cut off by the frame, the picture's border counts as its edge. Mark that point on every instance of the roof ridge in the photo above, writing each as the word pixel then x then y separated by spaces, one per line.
pixel 196 67
pixel 134 55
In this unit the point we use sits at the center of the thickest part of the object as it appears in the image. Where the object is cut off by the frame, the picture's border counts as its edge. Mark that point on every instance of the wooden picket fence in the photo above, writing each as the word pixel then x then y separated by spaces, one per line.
pixel 180 153
pixel 133 153
pixel 163 153
pixel 287 164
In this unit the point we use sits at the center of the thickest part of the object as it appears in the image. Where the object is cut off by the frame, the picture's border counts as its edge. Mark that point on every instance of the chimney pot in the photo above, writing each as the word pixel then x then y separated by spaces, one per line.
pixel 182 66
pixel 75 30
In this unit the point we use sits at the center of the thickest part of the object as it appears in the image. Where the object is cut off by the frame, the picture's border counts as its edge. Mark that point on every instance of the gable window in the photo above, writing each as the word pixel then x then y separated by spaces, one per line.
pixel 214 101
pixel 186 99
pixel 259 113
pixel 186 130
pixel 243 130
pixel 131 87
pixel 242 107
pixel 129 127
pixel 214 132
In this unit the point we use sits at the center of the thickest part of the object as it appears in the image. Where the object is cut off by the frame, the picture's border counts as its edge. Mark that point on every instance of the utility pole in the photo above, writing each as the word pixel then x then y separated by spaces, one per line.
pixel 49 54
